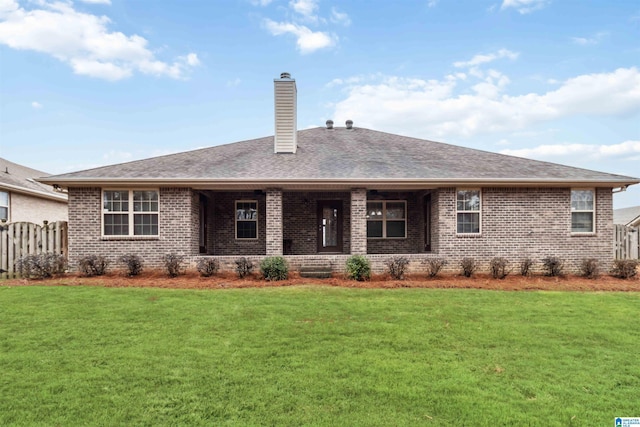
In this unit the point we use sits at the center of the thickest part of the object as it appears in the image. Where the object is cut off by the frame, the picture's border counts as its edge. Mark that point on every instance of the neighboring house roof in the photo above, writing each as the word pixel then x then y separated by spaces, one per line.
pixel 627 216
pixel 340 157
pixel 21 179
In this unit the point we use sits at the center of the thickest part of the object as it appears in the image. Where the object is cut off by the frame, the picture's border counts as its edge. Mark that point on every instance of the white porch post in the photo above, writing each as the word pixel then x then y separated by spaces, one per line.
pixel 358 221
pixel 274 222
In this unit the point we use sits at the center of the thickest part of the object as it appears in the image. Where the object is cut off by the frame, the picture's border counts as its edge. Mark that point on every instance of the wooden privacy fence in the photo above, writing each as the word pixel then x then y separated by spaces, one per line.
pixel 626 242
pixel 25 238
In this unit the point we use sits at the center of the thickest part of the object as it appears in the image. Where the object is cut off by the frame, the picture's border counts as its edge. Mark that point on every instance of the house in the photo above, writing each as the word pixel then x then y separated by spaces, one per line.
pixel 627 216
pixel 24 199
pixel 319 195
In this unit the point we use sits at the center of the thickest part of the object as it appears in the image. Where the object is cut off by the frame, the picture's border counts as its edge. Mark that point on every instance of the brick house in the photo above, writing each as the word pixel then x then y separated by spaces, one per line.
pixel 22 199
pixel 322 194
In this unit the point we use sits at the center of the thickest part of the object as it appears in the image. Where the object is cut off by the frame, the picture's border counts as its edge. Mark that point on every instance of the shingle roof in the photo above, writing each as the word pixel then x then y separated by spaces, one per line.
pixel 341 154
pixel 15 177
pixel 626 216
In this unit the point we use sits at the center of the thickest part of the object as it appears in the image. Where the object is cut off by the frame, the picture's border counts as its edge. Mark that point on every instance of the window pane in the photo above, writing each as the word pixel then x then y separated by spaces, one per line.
pixel 246 230
pixel 116 225
pixel 374 228
pixel 582 222
pixel 145 201
pixel 4 198
pixel 145 225
pixel 246 210
pixel 116 201
pixel 468 223
pixel 374 210
pixel 468 200
pixel 395 228
pixel 4 213
pixel 395 211
pixel 581 200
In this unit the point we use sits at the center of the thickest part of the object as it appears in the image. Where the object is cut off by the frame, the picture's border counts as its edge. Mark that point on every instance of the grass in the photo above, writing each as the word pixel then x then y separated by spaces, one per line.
pixel 317 356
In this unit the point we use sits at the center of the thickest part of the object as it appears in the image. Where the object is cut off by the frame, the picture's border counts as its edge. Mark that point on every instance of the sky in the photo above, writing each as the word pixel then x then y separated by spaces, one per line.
pixel 87 83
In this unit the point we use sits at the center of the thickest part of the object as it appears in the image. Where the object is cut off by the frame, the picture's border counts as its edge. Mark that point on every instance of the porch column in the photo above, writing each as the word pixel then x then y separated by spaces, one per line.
pixel 274 222
pixel 358 221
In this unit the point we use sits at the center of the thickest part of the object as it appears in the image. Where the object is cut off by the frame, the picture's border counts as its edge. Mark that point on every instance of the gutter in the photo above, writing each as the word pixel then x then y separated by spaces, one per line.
pixel 59 197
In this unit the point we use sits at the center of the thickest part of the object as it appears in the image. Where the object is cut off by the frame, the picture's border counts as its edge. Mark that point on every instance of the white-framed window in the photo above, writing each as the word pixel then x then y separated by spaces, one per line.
pixel 468 208
pixel 387 219
pixel 4 206
pixel 246 219
pixel 130 212
pixel 583 213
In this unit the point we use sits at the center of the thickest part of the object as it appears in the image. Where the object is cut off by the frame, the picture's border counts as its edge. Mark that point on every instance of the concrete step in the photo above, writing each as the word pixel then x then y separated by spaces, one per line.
pixel 316 272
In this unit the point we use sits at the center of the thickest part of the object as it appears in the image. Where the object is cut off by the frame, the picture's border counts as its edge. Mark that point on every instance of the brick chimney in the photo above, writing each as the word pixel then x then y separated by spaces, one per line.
pixel 286 122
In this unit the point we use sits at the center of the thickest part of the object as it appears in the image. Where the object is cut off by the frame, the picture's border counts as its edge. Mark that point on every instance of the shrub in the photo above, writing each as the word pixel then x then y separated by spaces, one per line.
pixel 132 263
pixel 274 268
pixel 358 268
pixel 397 266
pixel 207 267
pixel 434 265
pixel 525 267
pixel 468 266
pixel 589 268
pixel 553 266
pixel 243 267
pixel 625 268
pixel 499 268
pixel 92 265
pixel 41 266
pixel 174 264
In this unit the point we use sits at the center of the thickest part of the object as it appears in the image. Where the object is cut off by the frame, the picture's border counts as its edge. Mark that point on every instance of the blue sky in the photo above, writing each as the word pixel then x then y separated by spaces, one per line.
pixel 94 82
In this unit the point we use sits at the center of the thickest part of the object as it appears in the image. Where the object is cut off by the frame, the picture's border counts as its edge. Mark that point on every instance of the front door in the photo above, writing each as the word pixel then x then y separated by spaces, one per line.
pixel 330 226
pixel 427 223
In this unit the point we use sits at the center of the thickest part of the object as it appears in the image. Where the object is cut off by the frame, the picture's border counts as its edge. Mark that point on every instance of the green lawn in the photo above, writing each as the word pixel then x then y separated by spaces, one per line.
pixel 317 356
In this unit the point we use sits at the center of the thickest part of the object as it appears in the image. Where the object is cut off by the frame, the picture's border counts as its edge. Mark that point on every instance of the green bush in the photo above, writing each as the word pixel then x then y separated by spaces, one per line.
pixel 274 268
pixel 358 268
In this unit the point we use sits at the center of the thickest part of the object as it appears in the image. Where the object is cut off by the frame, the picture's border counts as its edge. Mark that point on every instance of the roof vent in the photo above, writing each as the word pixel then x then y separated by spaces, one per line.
pixel 329 124
pixel 349 124
pixel 285 75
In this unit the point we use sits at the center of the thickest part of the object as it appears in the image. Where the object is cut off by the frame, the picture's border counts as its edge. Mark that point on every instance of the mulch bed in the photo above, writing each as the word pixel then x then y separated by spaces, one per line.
pixel 192 280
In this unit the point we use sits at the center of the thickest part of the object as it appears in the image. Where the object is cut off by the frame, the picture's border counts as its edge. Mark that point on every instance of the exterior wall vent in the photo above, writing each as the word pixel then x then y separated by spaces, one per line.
pixel 286 121
pixel 349 124
pixel 329 124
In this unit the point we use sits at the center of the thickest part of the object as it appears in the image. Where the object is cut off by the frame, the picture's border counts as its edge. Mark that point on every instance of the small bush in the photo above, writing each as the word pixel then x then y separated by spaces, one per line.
pixel 174 264
pixel 93 265
pixel 41 266
pixel 274 268
pixel 468 266
pixel 358 268
pixel 499 268
pixel 525 267
pixel 396 267
pixel 243 267
pixel 132 263
pixel 207 267
pixel 553 266
pixel 434 265
pixel 589 268
pixel 625 268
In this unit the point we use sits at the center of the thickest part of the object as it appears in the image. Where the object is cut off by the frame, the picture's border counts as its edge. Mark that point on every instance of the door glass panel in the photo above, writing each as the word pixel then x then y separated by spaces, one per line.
pixel 329 226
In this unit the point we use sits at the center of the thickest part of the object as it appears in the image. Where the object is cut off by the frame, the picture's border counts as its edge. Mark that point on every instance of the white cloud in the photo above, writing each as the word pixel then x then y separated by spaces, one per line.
pixel 84 42
pixel 307 41
pixel 108 2
pixel 628 150
pixel 261 2
pixel 341 18
pixel 442 108
pixel 525 6
pixel 233 83
pixel 36 105
pixel 306 8
pixel 432 3
pixel 485 58
pixel 595 39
